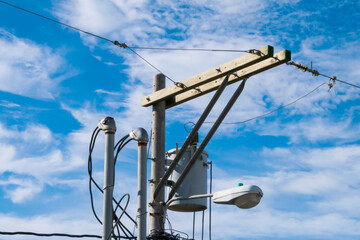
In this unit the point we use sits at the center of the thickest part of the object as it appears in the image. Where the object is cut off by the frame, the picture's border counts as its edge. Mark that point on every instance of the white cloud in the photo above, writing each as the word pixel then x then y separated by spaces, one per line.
pixel 32 158
pixel 310 193
pixel 21 189
pixel 8 104
pixel 28 69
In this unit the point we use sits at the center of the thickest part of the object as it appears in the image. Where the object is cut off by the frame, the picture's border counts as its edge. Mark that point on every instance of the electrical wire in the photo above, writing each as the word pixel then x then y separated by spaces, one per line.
pixel 137 54
pixel 192 49
pixel 170 225
pixel 91 148
pixel 122 213
pixel 188 123
pixel 187 236
pixel 51 234
pixel 53 20
pixel 277 109
pixel 120 148
pixel 305 68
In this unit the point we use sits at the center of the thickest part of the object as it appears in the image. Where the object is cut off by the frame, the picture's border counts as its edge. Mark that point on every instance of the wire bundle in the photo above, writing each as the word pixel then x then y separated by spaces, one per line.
pixel 118 225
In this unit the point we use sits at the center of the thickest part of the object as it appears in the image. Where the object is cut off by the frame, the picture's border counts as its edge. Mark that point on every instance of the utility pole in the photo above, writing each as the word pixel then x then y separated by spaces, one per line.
pixel 156 219
pixel 108 125
pixel 162 98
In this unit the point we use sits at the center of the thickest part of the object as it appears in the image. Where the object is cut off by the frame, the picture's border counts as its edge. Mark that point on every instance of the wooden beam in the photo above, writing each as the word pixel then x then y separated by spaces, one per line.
pixel 279 58
pixel 208 76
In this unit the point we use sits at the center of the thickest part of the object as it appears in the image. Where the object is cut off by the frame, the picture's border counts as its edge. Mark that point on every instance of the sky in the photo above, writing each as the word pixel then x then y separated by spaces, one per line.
pixel 56 84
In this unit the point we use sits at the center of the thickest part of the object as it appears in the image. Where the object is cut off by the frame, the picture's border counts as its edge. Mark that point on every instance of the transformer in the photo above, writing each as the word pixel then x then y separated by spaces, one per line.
pixel 195 182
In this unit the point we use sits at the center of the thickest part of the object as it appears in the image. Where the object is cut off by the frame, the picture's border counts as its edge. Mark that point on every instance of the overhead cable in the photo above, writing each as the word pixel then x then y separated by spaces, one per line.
pixel 51 234
pixel 314 72
pixel 277 109
pixel 53 20
pixel 194 49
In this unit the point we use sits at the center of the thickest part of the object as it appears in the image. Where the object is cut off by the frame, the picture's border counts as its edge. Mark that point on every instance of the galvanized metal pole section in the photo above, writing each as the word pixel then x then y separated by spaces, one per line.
pixel 108 125
pixel 141 136
pixel 157 211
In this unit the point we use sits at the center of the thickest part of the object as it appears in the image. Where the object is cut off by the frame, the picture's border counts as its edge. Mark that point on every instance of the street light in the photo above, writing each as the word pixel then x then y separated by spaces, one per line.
pixel 243 196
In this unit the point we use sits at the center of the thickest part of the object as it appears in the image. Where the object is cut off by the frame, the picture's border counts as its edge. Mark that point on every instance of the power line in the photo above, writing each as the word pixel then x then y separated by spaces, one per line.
pixel 51 234
pixel 277 109
pixel 314 72
pixel 137 54
pixel 191 49
pixel 53 20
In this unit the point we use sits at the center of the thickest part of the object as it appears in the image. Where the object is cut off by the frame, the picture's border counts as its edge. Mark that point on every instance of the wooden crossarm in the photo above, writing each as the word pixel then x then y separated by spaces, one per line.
pixel 208 76
pixel 279 58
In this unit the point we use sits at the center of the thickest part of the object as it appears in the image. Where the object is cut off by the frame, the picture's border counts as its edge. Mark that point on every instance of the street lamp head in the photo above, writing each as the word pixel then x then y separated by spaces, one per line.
pixel 244 196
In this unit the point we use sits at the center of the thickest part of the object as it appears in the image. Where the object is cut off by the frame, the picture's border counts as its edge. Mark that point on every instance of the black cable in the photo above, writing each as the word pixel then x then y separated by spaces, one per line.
pixel 126 205
pixel 188 123
pixel 338 80
pixel 122 213
pixel 170 225
pixel 191 49
pixel 51 234
pixel 137 54
pixel 118 230
pixel 277 109
pixel 53 20
pixel 91 148
pixel 174 230
pixel 92 180
pixel 120 147
pixel 116 202
pixel 121 141
pixel 125 229
pixel 314 72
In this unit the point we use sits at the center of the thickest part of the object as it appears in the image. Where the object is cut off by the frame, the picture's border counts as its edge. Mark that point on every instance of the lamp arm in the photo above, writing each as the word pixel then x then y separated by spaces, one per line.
pixel 188 198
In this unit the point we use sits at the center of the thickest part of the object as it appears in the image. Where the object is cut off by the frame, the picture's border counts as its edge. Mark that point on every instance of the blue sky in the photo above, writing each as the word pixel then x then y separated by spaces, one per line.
pixel 56 84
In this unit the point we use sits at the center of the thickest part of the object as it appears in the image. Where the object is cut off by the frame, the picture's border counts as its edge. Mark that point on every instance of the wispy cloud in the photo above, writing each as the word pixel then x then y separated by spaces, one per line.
pixel 29 69
pixel 7 104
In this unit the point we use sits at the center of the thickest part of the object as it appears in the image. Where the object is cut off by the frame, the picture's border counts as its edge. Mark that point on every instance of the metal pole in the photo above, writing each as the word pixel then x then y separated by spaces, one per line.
pixel 192 134
pixel 141 136
pixel 157 211
pixel 207 138
pixel 108 125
